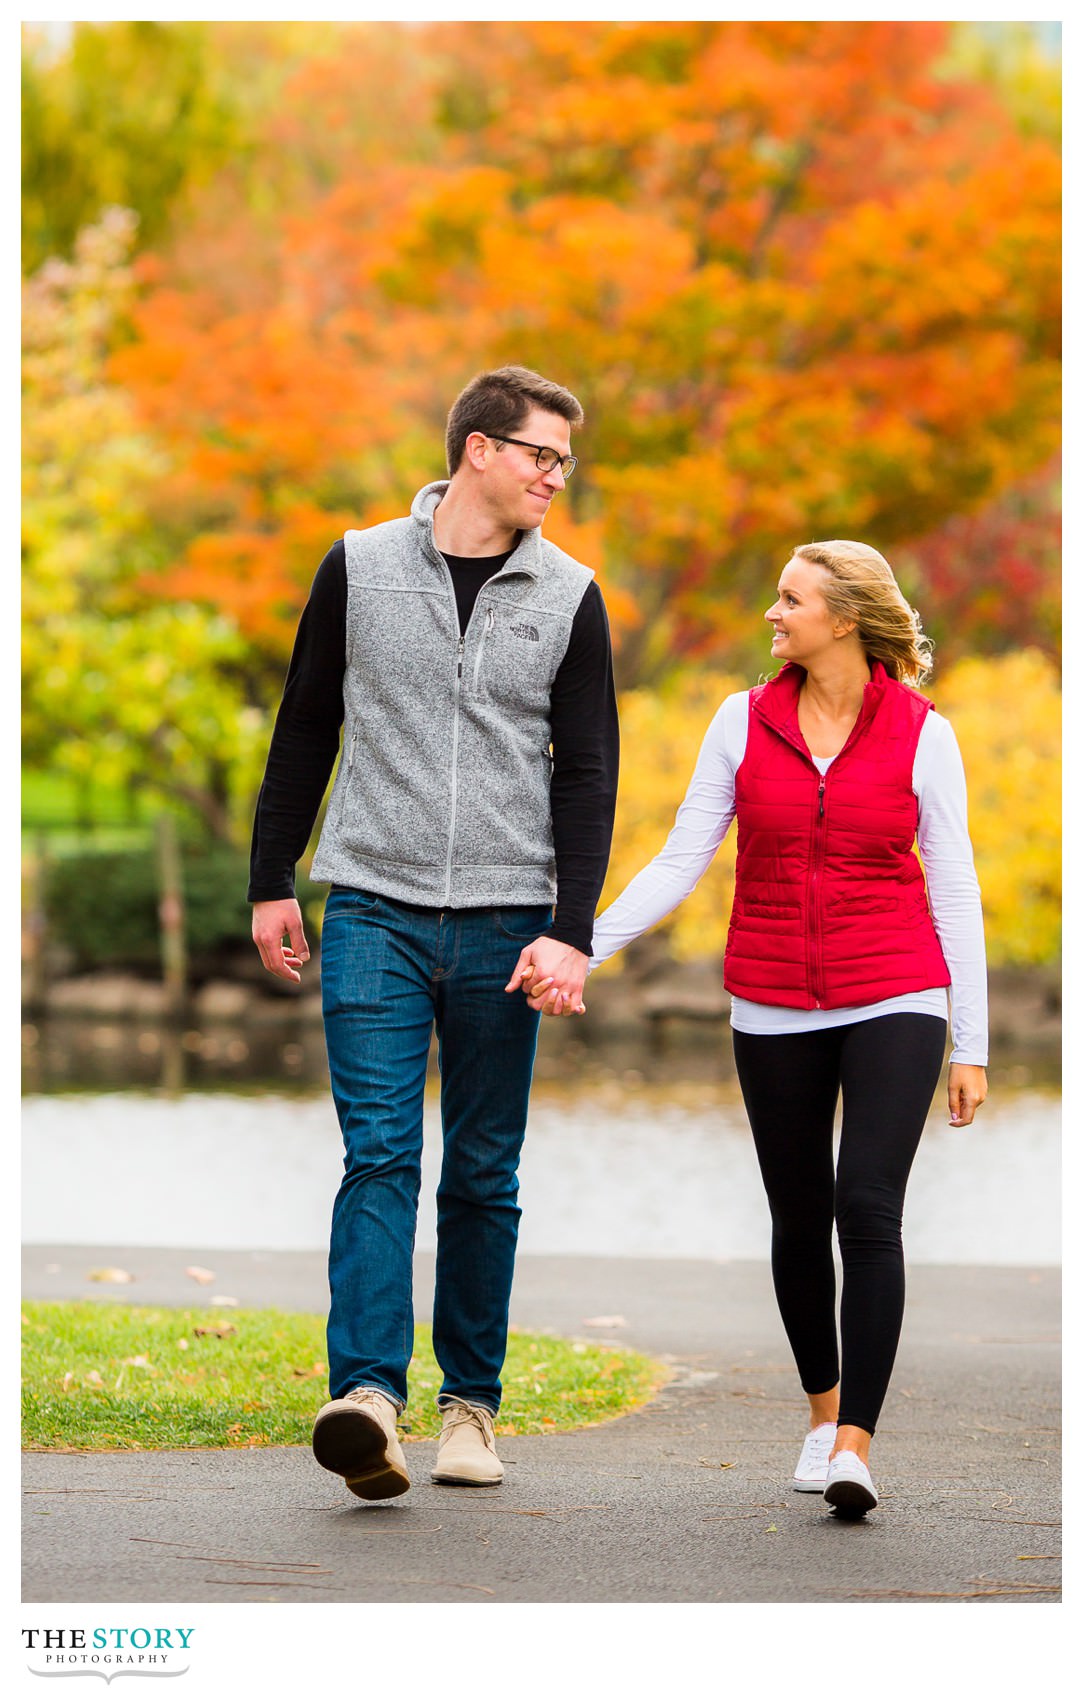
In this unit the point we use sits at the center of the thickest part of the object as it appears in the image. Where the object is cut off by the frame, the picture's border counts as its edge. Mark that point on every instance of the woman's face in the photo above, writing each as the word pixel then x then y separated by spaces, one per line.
pixel 803 624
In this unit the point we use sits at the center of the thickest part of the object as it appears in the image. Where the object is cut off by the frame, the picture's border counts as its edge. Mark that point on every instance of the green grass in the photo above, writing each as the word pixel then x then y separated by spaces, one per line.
pixel 100 1376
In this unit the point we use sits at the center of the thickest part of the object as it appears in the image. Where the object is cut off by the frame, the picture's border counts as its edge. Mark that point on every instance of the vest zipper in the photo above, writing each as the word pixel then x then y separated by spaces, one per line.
pixel 819 850
pixel 490 622
pixel 814 955
pixel 455 707
pixel 454 768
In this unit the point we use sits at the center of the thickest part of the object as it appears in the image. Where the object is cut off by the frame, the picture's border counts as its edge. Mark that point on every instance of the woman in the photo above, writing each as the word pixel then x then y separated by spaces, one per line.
pixel 839 973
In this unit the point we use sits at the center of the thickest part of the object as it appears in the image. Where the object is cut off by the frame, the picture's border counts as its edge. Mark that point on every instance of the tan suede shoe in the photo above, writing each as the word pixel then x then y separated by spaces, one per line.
pixel 355 1437
pixel 466 1451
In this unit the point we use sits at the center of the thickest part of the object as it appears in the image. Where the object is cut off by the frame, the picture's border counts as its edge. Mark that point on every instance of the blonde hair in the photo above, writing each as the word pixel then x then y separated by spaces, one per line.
pixel 860 586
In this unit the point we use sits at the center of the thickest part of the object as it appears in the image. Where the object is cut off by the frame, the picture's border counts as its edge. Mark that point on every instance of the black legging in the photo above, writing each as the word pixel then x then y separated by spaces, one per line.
pixel 887 1069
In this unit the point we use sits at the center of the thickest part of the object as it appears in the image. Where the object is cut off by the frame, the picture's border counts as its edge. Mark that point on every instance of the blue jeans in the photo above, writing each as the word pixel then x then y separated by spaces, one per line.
pixel 389 971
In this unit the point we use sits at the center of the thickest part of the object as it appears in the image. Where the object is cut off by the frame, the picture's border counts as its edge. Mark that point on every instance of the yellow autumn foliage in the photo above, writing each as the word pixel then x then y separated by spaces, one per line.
pixel 661 732
pixel 1006 712
pixel 1006 715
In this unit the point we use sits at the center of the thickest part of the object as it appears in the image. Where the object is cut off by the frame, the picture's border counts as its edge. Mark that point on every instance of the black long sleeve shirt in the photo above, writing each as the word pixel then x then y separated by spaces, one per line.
pixel 585 743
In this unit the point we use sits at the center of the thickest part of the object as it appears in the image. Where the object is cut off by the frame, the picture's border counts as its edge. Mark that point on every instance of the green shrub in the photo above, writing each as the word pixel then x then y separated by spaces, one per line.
pixel 103 905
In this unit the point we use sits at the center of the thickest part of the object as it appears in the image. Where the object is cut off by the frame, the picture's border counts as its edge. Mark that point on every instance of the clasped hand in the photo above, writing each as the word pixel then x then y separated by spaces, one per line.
pixel 552 976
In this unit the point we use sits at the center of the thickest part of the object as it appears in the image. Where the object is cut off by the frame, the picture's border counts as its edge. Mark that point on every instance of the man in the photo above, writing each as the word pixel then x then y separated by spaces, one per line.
pixel 470 661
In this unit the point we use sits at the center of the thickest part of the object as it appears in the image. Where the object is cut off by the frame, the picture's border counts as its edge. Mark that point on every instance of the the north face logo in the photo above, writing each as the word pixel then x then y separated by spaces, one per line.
pixel 528 632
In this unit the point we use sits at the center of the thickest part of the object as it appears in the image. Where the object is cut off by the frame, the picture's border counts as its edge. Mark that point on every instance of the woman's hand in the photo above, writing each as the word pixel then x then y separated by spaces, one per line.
pixel 967 1088
pixel 552 975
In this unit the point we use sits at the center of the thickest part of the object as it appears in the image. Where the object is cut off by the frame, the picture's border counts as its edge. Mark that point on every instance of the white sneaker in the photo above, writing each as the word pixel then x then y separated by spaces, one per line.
pixel 849 1490
pixel 466 1454
pixel 355 1437
pixel 811 1472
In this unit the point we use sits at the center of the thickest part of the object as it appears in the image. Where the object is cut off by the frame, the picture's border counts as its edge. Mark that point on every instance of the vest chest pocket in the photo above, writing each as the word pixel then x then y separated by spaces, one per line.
pixel 514 659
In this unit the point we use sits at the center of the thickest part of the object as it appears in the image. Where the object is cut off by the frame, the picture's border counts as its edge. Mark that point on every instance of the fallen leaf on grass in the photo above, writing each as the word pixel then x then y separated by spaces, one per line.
pixel 94 1378
pixel 201 1275
pixel 109 1275
pixel 316 1372
pixel 222 1333
pixel 134 1363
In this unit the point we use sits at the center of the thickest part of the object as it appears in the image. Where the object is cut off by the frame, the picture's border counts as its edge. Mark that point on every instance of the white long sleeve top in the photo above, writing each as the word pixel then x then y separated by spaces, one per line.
pixel 703 820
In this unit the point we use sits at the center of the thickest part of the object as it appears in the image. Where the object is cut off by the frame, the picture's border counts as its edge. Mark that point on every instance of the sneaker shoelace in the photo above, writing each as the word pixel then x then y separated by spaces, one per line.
pixel 848 1460
pixel 818 1447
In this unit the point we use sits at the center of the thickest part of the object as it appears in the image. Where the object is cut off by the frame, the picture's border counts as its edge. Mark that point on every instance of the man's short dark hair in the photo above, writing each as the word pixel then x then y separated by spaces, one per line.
pixel 498 402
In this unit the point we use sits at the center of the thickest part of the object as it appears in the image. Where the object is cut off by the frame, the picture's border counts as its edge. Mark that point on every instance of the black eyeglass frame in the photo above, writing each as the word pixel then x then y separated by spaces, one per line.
pixel 567 463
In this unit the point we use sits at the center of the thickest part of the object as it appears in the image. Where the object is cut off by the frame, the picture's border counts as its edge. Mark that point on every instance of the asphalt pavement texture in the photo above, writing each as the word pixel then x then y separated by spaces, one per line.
pixel 686 1499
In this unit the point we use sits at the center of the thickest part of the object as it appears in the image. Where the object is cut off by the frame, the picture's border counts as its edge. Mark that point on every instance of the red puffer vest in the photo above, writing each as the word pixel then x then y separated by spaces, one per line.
pixel 830 907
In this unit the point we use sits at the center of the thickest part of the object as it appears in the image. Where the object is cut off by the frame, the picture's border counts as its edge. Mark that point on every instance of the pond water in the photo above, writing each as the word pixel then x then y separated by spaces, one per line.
pixel 624 1166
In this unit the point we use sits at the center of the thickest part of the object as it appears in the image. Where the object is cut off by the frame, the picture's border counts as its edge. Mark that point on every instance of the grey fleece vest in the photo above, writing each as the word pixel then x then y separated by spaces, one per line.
pixel 442 790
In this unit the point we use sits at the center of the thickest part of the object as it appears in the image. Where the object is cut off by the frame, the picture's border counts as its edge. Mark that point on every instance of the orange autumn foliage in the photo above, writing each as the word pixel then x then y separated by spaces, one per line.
pixel 804 283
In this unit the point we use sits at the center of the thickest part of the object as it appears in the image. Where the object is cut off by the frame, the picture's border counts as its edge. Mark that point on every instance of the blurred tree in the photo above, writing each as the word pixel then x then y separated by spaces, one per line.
pixel 805 280
pixel 1006 713
pixel 1022 61
pixel 990 580
pixel 116 685
pixel 131 114
pixel 804 276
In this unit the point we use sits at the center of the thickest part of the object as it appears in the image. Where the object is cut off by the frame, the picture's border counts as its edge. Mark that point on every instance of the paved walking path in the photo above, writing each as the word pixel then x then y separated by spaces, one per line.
pixel 686 1500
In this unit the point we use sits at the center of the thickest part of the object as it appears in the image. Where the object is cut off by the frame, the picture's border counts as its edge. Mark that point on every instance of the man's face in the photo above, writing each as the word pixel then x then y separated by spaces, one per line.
pixel 514 490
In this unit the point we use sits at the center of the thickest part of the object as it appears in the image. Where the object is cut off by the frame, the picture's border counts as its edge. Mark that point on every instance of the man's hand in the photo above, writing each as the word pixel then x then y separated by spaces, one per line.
pixel 967 1088
pixel 269 922
pixel 552 975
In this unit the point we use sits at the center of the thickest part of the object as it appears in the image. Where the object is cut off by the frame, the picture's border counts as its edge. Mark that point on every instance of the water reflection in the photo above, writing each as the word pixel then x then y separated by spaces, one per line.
pixel 80 1055
pixel 286 1054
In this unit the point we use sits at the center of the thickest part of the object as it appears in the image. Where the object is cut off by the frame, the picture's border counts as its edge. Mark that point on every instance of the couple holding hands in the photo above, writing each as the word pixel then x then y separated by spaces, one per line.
pixel 466 662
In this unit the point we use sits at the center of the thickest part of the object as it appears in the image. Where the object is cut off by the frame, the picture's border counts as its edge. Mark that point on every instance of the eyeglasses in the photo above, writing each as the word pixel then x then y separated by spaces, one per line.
pixel 545 459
